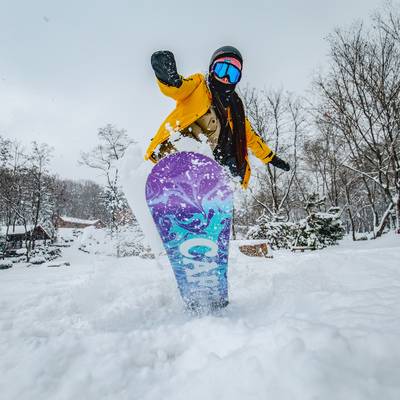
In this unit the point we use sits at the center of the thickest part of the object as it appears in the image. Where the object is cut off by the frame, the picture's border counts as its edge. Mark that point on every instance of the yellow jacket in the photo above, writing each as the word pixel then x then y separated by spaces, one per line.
pixel 193 99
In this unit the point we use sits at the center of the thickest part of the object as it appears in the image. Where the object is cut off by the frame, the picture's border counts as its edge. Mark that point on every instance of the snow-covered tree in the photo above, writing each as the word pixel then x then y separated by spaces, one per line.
pixel 360 101
pixel 279 118
pixel 104 157
pixel 319 229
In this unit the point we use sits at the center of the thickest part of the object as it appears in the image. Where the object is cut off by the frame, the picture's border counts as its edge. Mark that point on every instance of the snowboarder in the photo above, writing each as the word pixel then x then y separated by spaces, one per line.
pixel 209 105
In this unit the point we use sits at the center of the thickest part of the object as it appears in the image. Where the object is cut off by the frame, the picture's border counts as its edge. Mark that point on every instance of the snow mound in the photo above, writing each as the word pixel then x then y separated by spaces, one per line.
pixel 5 264
pixel 320 325
pixel 129 241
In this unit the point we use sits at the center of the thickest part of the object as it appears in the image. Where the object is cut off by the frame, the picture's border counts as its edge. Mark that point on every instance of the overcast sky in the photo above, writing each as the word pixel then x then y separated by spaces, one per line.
pixel 70 67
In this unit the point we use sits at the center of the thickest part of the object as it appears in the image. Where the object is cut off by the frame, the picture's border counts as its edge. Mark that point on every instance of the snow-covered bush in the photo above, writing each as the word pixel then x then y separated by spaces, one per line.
pixel 277 234
pixel 318 230
pixel 128 242
pixel 5 264
pixel 36 260
pixel 42 253
pixel 66 236
pixel 95 241
pixel 131 243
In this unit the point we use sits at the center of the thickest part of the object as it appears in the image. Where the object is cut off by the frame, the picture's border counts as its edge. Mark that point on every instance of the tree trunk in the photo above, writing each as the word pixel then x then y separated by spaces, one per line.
pixel 379 229
pixel 233 223
pixel 398 214
pixel 353 230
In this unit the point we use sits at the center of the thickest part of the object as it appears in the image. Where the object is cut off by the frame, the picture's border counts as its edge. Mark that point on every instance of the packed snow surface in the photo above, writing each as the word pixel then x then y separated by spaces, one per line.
pixel 318 325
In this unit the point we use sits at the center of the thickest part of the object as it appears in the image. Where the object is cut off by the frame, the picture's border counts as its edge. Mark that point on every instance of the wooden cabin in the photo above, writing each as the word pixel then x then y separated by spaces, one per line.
pixel 16 235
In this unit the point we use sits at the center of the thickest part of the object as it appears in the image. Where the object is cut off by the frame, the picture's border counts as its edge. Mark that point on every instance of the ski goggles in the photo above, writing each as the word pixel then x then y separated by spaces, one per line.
pixel 224 69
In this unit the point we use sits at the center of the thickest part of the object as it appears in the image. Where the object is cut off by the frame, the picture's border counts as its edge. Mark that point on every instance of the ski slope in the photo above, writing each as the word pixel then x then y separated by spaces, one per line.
pixel 319 325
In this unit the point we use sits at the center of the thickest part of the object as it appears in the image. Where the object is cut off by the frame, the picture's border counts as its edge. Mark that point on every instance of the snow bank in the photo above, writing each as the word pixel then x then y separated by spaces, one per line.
pixel 318 325
pixel 128 241
pixel 66 236
pixel 96 241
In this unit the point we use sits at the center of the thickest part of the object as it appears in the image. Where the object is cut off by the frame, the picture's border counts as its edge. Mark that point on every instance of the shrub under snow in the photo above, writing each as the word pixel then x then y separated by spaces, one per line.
pixel 318 230
pixel 5 264
pixel 127 242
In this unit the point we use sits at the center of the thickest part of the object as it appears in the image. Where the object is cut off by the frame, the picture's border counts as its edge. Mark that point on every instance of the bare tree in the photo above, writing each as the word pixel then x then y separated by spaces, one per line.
pixel 40 189
pixel 81 199
pixel 104 157
pixel 25 189
pixel 280 119
pixel 13 184
pixel 360 100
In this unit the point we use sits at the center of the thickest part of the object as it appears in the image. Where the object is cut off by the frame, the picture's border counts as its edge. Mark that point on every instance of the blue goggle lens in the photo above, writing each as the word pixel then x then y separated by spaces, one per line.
pixel 223 69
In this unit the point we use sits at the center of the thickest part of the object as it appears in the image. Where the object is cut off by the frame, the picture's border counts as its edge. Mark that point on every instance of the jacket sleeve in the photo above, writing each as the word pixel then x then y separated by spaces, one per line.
pixel 186 89
pixel 259 148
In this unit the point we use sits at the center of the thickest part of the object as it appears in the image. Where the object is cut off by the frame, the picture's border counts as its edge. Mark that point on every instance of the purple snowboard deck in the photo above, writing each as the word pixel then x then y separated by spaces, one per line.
pixel 190 199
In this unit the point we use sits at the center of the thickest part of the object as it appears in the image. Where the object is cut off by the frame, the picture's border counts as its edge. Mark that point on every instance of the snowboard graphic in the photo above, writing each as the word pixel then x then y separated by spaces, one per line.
pixel 191 203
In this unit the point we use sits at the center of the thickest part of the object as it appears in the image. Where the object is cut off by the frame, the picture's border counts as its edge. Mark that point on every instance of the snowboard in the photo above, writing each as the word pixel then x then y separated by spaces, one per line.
pixel 190 199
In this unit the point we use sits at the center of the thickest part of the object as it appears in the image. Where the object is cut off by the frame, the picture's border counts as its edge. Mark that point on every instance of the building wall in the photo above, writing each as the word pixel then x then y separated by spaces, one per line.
pixel 64 224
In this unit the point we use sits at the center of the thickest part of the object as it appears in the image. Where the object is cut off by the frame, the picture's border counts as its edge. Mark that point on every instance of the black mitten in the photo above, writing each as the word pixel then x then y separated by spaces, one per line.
pixel 279 163
pixel 164 66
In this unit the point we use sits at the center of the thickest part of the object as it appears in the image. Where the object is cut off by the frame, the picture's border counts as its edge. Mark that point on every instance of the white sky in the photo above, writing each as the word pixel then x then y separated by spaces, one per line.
pixel 70 67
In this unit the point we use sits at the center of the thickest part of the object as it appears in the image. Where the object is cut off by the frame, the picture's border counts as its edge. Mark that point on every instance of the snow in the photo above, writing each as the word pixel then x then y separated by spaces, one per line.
pixel 79 221
pixel 318 325
pixel 183 143
pixel 4 264
pixel 96 241
pixel 134 171
pixel 38 260
pixel 67 234
pixel 100 241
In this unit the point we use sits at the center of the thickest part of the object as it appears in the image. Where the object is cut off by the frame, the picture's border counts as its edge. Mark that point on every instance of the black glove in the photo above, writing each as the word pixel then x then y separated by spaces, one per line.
pixel 279 163
pixel 163 63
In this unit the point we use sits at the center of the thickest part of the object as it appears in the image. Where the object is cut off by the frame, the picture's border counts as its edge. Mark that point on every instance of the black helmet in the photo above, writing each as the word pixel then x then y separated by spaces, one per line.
pixel 226 51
